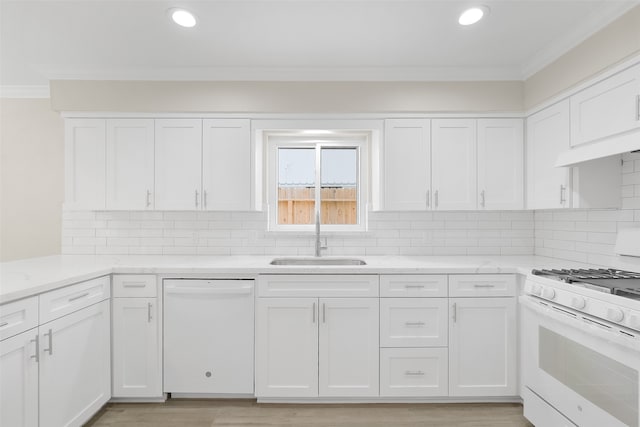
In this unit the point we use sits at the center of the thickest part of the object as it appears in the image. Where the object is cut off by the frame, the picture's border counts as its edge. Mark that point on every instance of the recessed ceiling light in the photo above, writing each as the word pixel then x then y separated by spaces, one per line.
pixel 182 17
pixel 473 15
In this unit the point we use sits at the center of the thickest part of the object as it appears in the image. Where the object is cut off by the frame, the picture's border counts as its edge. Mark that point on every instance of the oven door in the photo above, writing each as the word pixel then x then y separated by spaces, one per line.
pixel 587 371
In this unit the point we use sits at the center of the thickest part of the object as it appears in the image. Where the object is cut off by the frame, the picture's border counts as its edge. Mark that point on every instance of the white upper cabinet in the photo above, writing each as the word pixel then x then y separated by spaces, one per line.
pixel 226 164
pixel 130 144
pixel 607 108
pixel 548 134
pixel 454 164
pixel 85 164
pixel 500 164
pixel 178 169
pixel 407 164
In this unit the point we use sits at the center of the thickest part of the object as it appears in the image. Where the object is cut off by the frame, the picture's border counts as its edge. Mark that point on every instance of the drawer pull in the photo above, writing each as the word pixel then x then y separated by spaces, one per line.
pixel 134 285
pixel 50 349
pixel 414 323
pixel 36 356
pixel 483 286
pixel 149 316
pixel 414 373
pixel 3 324
pixel 86 294
pixel 414 286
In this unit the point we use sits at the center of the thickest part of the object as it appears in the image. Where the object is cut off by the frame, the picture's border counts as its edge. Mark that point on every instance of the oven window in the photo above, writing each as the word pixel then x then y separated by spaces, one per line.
pixel 603 381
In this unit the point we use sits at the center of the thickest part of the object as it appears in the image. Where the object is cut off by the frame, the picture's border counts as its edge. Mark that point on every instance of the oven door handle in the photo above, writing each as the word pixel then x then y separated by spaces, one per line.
pixel 611 335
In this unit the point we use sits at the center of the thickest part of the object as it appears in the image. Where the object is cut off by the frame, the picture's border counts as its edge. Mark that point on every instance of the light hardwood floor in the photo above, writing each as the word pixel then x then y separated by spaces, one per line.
pixel 249 413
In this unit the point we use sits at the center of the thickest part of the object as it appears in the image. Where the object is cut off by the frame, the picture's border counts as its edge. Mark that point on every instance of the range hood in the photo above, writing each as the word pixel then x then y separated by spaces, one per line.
pixel 604 148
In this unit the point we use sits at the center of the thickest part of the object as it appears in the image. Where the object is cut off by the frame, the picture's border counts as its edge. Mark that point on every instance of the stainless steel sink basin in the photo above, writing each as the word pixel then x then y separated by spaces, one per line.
pixel 317 261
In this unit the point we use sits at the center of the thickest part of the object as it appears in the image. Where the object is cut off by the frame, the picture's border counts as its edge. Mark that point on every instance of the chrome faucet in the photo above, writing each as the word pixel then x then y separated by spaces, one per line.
pixel 319 246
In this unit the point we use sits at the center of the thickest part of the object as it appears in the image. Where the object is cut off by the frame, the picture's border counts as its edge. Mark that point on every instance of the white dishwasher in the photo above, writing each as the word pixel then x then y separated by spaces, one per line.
pixel 208 336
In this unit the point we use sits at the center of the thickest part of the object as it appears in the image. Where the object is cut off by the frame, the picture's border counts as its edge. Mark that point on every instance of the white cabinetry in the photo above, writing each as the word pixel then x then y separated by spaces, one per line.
pixel 482 337
pixel 607 108
pixel 85 163
pixel 226 164
pixel 178 168
pixel 500 164
pixel 548 134
pixel 307 347
pixel 454 167
pixel 136 338
pixel 129 164
pixel 407 164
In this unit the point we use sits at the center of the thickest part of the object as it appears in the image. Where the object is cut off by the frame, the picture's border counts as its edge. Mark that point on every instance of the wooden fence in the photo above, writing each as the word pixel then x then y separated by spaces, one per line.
pixel 296 205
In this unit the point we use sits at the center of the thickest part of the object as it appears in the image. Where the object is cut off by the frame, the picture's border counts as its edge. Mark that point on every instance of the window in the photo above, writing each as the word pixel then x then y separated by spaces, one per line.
pixel 322 177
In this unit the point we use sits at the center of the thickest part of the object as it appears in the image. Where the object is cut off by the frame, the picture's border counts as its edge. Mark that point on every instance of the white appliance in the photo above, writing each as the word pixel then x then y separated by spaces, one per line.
pixel 581 348
pixel 208 336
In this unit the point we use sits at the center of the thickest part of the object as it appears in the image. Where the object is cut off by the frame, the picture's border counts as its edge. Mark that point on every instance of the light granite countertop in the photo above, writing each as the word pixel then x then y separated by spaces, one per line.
pixel 24 278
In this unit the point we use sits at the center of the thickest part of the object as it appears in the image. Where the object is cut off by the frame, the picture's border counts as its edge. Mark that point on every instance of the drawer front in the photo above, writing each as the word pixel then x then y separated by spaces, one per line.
pixel 414 372
pixel 135 285
pixel 318 285
pixel 63 301
pixel 482 285
pixel 413 322
pixel 418 285
pixel 18 316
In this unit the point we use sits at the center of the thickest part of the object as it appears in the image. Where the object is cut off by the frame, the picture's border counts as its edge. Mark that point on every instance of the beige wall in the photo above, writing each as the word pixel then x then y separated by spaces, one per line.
pixel 286 97
pixel 31 178
pixel 614 43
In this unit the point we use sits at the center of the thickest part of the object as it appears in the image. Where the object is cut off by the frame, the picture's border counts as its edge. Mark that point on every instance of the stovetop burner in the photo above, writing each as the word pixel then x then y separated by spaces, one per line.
pixel 609 280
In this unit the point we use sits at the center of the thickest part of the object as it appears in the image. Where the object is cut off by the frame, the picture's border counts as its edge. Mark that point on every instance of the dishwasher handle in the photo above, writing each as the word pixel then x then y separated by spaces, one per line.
pixel 194 290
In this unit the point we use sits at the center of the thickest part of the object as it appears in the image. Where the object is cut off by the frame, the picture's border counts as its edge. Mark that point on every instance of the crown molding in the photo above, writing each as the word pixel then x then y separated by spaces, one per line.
pixel 24 91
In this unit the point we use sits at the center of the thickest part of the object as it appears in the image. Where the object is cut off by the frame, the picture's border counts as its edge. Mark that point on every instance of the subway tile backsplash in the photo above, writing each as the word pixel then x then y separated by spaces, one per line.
pixel 578 235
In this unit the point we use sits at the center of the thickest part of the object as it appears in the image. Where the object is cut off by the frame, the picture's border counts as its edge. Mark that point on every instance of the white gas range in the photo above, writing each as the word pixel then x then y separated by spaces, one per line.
pixel 581 348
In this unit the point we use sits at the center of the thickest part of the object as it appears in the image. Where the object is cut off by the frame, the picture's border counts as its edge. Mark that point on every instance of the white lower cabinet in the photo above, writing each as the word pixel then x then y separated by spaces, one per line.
pixel 418 372
pixel 137 371
pixel 19 380
pixel 482 347
pixel 75 366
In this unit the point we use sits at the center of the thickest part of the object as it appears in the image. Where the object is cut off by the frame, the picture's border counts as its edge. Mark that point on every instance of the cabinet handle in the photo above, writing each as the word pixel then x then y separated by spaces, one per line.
pixel 414 323
pixel 454 316
pixel 313 313
pixel 3 324
pixel 637 107
pixel 428 198
pixel 77 297
pixel 414 373
pixel 204 197
pixel 134 285
pixel 196 198
pixel 149 316
pixel 324 312
pixel 435 196
pixel 483 286
pixel 36 356
pixel 562 198
pixel 50 349
pixel 482 199
pixel 148 198
pixel 414 286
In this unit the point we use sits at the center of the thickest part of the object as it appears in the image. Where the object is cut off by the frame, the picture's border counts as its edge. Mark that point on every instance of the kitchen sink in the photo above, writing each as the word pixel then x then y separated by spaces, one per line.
pixel 317 261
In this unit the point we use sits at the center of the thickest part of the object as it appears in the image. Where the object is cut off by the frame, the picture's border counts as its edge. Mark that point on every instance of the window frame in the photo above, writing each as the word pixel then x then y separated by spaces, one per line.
pixel 359 141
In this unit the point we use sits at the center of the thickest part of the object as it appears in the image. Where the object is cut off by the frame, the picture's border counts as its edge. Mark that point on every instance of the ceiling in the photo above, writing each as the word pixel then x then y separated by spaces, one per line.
pixel 348 40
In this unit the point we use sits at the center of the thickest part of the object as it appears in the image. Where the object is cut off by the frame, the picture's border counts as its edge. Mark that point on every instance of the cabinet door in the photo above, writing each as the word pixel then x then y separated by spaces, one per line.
pixel 453 150
pixel 287 347
pixel 85 163
pixel 500 164
pixel 226 164
pixel 348 347
pixel 407 164
pixel 607 108
pixel 75 366
pixel 19 380
pixel 482 347
pixel 178 167
pixel 547 136
pixel 130 154
pixel 136 348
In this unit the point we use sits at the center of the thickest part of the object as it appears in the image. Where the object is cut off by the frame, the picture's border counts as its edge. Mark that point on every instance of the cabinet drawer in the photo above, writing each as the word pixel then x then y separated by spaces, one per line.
pixel 419 285
pixel 413 322
pixel 482 285
pixel 414 372
pixel 18 316
pixel 63 301
pixel 318 285
pixel 135 285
